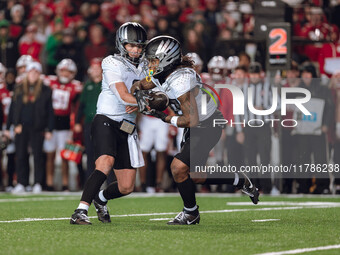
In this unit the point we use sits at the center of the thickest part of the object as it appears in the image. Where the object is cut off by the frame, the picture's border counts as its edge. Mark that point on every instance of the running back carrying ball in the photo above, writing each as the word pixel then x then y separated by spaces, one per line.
pixel 159 101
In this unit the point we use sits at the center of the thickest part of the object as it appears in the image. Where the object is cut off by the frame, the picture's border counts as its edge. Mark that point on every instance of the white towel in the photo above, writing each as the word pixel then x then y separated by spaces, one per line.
pixel 136 156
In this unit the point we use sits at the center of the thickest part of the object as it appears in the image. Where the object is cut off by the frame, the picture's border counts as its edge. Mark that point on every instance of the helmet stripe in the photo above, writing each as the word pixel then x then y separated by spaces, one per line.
pixel 159 49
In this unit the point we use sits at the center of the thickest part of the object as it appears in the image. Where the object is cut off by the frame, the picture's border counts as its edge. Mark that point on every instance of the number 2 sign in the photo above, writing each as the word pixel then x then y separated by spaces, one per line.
pixel 278 46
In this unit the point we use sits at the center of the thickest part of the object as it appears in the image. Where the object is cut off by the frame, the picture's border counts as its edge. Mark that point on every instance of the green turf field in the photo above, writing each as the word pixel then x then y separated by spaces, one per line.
pixel 224 228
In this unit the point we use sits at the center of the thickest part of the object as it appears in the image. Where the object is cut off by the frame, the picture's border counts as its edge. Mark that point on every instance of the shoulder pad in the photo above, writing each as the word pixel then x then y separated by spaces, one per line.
pixel 179 72
pixel 115 60
pixel 183 75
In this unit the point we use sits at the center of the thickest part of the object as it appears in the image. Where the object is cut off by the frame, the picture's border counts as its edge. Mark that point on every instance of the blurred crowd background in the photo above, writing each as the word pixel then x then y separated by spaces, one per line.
pixel 64 41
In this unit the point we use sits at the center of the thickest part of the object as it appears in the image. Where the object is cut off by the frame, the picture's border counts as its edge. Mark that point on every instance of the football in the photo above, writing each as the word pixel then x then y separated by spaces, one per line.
pixel 159 101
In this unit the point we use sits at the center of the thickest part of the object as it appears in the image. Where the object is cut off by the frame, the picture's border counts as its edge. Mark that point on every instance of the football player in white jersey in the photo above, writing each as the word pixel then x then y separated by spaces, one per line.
pixel 174 74
pixel 113 132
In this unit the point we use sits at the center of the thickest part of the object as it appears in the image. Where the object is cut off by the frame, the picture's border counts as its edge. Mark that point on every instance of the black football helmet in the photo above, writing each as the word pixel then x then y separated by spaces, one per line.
pixel 130 32
pixel 167 50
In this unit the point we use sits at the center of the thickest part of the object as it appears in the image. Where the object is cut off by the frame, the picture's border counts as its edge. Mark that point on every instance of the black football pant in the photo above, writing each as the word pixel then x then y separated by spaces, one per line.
pixel 315 145
pixel 258 142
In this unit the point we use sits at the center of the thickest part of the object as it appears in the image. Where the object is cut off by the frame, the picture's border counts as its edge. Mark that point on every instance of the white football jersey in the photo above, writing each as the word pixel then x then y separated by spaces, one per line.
pixel 117 69
pixel 180 82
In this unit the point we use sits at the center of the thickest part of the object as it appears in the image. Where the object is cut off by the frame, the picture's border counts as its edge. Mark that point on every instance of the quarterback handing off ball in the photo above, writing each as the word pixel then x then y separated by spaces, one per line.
pixel 159 101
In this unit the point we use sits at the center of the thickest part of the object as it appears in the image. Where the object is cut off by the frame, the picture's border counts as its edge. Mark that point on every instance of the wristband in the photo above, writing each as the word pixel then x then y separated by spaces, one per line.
pixel 173 120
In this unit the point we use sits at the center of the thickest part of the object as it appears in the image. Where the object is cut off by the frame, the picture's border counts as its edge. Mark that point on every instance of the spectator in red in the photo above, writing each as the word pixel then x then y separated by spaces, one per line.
pixel 105 18
pixel 17 27
pixel 43 30
pixel 316 30
pixel 97 47
pixel 119 4
pixel 231 20
pixel 43 7
pixel 65 95
pixel 301 16
pixel 187 13
pixel 65 10
pixel 248 20
pixel 28 44
pixel 330 52
pixel 123 15
pixel 159 6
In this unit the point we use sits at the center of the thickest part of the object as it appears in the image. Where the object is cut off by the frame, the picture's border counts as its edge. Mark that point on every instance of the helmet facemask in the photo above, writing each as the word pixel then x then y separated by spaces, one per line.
pixel 133 60
pixel 167 50
pixel 131 33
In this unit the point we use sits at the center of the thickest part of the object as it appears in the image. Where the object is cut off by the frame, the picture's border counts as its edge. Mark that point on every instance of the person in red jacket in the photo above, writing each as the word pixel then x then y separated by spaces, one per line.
pixel 316 30
pixel 28 44
pixel 330 52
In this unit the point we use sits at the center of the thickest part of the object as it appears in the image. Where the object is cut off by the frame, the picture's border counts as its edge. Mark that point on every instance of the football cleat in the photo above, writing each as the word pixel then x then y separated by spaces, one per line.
pixel 250 190
pixel 102 212
pixel 80 217
pixel 184 218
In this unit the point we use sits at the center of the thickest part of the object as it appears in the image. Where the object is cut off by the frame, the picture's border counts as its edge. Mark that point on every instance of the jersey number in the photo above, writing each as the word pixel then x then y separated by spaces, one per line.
pixel 61 99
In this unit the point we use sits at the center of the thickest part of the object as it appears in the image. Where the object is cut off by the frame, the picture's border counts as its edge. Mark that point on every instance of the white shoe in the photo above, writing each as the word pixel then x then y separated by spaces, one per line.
pixel 9 189
pixel 37 188
pixel 275 191
pixel 150 190
pixel 28 188
pixel 18 189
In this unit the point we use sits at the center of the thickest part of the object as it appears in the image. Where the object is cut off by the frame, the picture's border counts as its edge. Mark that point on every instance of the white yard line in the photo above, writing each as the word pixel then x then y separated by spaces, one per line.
pixel 33 199
pixel 297 251
pixel 174 213
pixel 159 219
pixel 265 220
pixel 282 203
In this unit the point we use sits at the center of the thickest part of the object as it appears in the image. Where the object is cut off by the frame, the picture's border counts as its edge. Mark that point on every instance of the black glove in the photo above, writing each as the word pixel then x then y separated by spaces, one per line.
pixel 157 114
pixel 142 96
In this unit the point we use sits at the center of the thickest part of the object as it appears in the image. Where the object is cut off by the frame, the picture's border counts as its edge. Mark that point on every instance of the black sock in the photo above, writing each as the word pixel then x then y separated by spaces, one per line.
pixel 92 186
pixel 111 192
pixel 187 191
pixel 241 181
pixel 143 185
